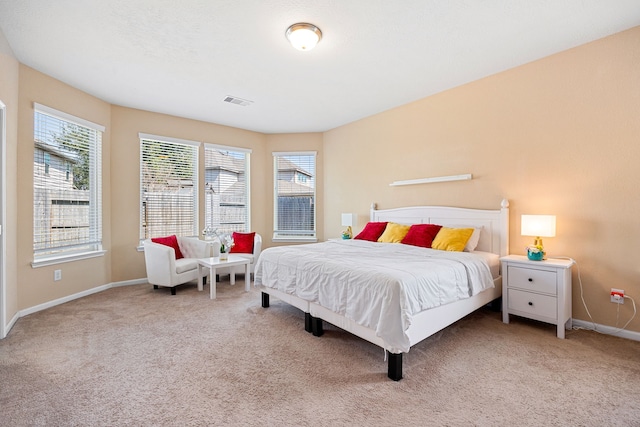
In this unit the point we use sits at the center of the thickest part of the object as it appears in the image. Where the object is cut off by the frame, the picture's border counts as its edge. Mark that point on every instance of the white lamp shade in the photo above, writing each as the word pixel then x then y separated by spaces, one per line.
pixel 538 225
pixel 349 220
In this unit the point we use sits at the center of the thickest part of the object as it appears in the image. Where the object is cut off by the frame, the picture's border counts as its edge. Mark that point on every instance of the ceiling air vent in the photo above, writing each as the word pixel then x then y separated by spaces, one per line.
pixel 237 101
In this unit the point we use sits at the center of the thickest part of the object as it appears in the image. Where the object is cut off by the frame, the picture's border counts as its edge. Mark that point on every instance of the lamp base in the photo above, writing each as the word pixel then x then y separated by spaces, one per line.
pixel 535 256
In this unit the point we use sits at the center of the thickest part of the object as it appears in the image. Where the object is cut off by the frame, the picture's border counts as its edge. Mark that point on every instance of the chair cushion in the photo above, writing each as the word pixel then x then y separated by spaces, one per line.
pixel 242 243
pixel 171 241
pixel 186 264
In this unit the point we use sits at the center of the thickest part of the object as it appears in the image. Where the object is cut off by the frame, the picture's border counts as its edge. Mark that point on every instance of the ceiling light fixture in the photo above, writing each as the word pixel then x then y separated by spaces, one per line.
pixel 303 36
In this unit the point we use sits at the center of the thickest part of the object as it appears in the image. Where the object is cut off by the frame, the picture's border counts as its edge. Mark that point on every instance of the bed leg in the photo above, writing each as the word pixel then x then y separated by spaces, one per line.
pixel 394 370
pixel 265 300
pixel 316 326
pixel 308 322
pixel 496 304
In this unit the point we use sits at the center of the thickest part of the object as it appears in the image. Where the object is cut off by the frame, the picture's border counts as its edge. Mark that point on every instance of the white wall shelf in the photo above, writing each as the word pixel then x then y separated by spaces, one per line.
pixel 433 179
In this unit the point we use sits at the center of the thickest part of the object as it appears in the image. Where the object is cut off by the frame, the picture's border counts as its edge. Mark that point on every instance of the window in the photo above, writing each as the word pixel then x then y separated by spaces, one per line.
pixel 295 196
pixel 168 187
pixel 226 188
pixel 67 185
pixel 47 163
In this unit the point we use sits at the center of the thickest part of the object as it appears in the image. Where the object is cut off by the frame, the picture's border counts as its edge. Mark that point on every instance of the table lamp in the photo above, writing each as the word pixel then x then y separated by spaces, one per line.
pixel 349 221
pixel 538 226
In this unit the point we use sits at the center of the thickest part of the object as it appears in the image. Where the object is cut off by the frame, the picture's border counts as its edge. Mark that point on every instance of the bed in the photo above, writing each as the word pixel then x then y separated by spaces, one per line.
pixel 372 290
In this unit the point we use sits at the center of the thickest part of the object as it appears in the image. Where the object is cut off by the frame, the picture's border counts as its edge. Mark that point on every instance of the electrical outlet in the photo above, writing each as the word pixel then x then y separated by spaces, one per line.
pixel 617 296
pixel 57 275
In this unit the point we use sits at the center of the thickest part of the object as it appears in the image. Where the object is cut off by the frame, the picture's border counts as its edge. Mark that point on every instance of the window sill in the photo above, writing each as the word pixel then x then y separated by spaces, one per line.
pixel 295 239
pixel 60 259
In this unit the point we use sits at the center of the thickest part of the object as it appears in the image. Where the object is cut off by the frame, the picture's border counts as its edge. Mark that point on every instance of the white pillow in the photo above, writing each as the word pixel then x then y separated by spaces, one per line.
pixel 472 243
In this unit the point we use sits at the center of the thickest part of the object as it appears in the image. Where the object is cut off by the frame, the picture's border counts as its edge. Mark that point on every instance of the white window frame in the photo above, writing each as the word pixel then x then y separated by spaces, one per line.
pixel 247 173
pixel 93 246
pixel 281 235
pixel 173 141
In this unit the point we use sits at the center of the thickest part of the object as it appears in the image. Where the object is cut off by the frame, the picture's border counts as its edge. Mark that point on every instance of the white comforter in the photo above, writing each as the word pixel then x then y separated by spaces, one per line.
pixel 377 285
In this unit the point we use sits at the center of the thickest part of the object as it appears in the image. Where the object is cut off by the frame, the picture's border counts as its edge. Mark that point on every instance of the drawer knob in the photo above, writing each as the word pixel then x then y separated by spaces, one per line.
pixel 530 279
pixel 530 303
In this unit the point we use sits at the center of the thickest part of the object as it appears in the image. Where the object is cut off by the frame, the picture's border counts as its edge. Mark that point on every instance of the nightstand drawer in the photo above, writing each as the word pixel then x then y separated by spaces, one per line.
pixel 540 305
pixel 535 280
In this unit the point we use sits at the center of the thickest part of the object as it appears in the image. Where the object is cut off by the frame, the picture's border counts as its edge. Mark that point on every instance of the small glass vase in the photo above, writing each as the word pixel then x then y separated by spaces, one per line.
pixel 224 256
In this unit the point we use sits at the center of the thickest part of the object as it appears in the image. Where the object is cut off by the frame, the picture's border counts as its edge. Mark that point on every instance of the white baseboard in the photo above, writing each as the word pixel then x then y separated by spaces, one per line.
pixel 9 325
pixel 610 330
pixel 68 298
pixel 62 300
pixel 129 282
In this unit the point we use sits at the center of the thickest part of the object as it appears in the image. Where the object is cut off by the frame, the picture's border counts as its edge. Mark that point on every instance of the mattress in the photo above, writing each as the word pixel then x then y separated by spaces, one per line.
pixel 378 285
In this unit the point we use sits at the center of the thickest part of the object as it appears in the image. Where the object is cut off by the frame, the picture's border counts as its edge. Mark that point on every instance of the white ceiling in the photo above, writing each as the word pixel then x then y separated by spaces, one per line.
pixel 183 57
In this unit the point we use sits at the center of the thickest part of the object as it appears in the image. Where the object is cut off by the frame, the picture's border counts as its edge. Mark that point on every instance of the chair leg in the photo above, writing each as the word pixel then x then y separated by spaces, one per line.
pixel 173 290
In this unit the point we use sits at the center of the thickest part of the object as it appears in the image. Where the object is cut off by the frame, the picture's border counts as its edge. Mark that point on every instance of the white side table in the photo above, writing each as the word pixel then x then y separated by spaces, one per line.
pixel 215 262
pixel 539 290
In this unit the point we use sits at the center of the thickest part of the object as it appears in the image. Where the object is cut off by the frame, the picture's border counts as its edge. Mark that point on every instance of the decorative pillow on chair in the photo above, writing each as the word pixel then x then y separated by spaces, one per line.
pixel 372 231
pixel 394 233
pixel 243 243
pixel 452 239
pixel 421 235
pixel 171 241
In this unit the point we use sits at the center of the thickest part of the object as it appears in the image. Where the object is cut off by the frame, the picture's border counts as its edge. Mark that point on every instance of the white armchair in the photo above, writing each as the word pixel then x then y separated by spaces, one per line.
pixel 253 257
pixel 163 269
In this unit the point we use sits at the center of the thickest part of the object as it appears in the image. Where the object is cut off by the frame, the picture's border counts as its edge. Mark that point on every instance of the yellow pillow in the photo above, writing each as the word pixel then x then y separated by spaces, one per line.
pixel 452 239
pixel 394 233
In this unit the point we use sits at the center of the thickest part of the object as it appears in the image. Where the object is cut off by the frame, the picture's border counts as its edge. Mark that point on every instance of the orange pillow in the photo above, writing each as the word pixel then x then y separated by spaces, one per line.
pixel 452 239
pixel 394 233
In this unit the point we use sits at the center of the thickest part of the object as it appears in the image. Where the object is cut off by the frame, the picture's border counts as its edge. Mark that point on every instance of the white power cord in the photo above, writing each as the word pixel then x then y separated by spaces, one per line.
pixel 587 308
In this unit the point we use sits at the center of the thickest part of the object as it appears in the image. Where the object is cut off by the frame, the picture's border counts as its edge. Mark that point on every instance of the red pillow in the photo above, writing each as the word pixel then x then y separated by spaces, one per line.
pixel 372 231
pixel 170 241
pixel 421 235
pixel 242 243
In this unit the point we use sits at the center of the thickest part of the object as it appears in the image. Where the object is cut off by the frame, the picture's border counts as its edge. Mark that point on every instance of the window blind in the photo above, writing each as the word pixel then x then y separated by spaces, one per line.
pixel 168 187
pixel 67 184
pixel 226 186
pixel 295 195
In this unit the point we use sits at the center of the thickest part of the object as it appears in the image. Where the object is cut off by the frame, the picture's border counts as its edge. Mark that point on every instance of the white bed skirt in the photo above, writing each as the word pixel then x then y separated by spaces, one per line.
pixel 423 324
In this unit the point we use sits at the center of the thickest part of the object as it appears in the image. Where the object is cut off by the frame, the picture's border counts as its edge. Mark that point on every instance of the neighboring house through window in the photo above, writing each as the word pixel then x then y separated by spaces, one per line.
pixel 226 183
pixel 294 196
pixel 67 186
pixel 168 187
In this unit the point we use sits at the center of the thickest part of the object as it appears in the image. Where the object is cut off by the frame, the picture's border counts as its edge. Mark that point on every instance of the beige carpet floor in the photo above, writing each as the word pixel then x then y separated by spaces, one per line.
pixel 132 356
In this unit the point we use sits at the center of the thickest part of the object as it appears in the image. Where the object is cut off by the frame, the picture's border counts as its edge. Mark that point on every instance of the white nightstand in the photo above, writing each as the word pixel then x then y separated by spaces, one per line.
pixel 539 290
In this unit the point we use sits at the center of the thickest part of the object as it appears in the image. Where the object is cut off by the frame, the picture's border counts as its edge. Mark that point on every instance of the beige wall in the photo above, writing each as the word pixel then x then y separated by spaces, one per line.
pixel 556 136
pixel 9 72
pixel 128 263
pixel 36 285
pixel 121 183
pixel 294 142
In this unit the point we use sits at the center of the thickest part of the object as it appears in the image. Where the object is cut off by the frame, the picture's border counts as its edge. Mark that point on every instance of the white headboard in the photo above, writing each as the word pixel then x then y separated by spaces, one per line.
pixel 494 224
